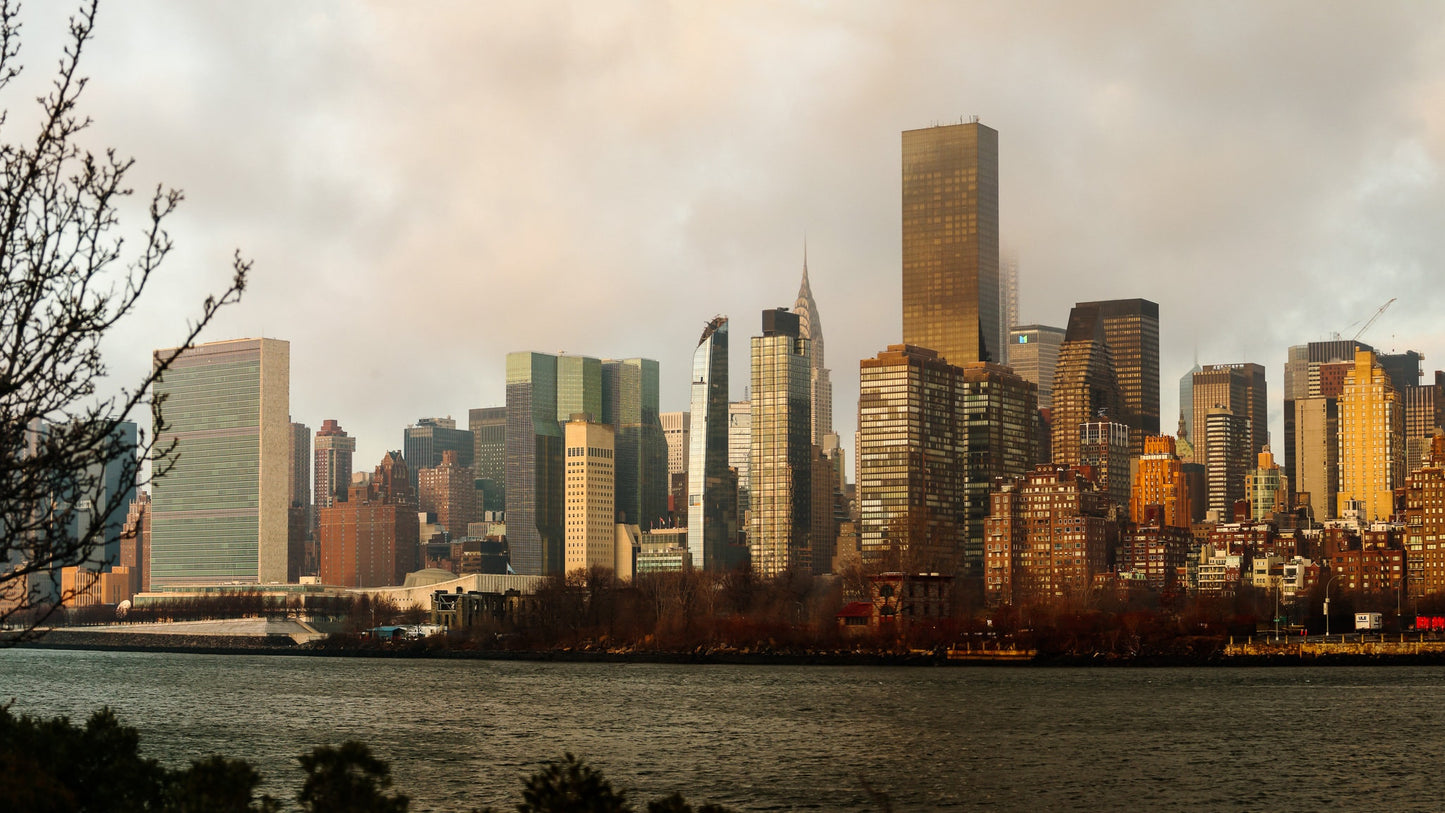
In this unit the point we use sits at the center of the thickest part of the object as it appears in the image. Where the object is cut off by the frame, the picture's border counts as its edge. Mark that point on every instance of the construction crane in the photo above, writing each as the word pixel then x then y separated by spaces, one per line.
pixel 1377 315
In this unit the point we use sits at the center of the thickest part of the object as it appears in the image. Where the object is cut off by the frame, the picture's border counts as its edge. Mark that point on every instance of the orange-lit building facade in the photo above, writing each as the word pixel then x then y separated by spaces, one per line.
pixel 1372 440
pixel 1160 482
pixel 372 538
pixel 86 587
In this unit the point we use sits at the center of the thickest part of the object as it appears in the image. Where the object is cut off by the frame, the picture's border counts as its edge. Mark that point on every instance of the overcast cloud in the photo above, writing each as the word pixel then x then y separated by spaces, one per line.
pixel 427 186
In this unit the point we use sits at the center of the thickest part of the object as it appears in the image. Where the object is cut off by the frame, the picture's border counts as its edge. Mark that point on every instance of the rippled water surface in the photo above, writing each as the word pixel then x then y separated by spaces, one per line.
pixel 462 733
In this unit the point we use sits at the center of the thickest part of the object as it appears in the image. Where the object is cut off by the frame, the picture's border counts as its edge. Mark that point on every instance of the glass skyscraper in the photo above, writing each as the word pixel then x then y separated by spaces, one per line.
pixel 424 444
pixel 219 514
pixel 489 443
pixel 711 486
pixel 534 465
pixel 544 392
pixel 780 470
pixel 951 242
pixel 631 392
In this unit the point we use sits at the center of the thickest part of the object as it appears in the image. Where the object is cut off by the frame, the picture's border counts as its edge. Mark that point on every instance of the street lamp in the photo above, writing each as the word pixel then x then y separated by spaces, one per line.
pixel 1327 603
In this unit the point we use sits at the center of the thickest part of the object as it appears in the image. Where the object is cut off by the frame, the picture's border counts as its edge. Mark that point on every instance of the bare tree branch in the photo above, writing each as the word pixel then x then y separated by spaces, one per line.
pixel 67 277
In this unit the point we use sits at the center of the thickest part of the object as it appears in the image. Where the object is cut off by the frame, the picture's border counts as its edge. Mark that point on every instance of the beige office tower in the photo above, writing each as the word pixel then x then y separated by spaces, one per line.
pixel 589 484
pixel 951 242
pixel 1239 390
pixel 1008 306
pixel 1033 352
pixel 1372 440
pixel 675 426
pixel 740 449
pixel 219 516
pixel 1317 453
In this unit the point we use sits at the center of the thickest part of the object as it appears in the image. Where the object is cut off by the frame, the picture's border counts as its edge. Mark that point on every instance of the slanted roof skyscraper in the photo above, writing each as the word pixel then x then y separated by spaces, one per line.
pixel 712 490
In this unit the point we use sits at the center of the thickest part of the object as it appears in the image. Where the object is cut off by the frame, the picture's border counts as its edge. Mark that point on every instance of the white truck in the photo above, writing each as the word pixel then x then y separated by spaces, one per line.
pixel 1367 621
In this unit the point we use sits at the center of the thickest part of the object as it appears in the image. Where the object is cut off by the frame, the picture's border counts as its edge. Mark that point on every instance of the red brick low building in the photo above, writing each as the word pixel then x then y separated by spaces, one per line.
pixel 371 539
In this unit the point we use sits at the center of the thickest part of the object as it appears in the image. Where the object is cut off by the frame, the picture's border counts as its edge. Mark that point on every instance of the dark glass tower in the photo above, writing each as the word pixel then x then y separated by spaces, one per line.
pixel 630 393
pixel 1131 330
pixel 950 242
pixel 489 455
pixel 1086 387
pixel 534 465
pixel 424 444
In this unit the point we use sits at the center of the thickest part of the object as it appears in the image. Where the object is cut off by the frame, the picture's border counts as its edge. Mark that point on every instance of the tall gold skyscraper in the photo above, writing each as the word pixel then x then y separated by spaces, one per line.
pixel 1372 439
pixel 950 242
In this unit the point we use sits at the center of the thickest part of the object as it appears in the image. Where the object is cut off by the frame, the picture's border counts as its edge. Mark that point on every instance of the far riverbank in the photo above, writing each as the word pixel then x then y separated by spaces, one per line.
pixel 1230 654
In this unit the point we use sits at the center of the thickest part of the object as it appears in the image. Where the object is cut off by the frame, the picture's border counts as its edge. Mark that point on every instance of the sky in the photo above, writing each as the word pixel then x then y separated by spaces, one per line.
pixel 425 187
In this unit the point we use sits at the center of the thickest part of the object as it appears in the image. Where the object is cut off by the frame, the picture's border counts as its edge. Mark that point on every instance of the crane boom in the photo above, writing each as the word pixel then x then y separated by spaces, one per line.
pixel 1377 315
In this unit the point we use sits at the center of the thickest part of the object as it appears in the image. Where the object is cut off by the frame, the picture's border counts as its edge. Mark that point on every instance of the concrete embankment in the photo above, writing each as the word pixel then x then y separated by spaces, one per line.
pixel 248 634
pixel 1375 649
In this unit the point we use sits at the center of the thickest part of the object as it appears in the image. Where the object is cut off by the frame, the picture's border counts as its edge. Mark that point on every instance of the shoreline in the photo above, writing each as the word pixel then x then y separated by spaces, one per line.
pixel 62 639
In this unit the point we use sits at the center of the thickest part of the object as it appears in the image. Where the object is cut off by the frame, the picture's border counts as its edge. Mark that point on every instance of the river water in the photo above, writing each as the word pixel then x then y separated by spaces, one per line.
pixel 461 734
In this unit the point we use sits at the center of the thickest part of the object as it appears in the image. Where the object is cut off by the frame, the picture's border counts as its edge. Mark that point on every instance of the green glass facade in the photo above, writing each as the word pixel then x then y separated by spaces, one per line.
pixel 216 512
pixel 534 465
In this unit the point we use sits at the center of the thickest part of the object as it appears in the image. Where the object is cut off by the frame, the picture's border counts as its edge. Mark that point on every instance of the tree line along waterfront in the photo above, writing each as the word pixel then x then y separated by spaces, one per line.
pixel 694 614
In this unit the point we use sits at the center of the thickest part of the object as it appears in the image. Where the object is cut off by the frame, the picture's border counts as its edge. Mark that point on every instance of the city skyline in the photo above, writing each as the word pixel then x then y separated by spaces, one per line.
pixel 1198 163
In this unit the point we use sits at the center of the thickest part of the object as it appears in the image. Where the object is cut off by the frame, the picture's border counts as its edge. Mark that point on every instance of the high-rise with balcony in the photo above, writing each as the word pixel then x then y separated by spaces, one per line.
pixel 932 438
pixel 780 465
pixel 220 514
pixel 951 242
